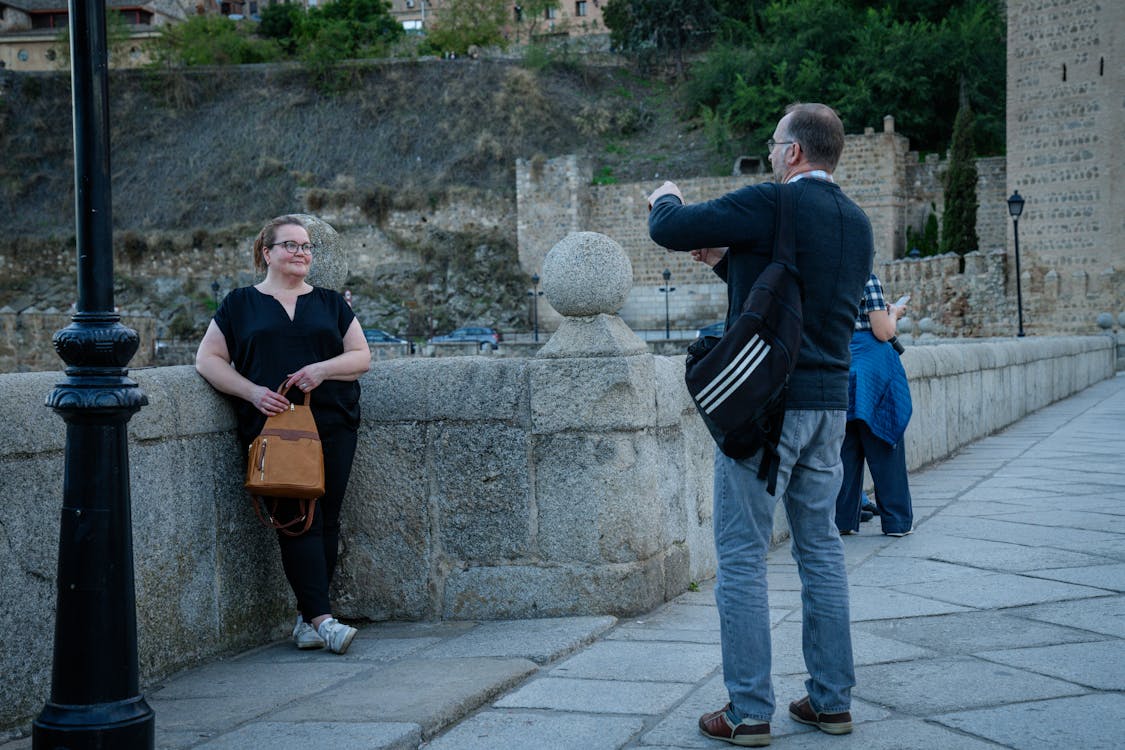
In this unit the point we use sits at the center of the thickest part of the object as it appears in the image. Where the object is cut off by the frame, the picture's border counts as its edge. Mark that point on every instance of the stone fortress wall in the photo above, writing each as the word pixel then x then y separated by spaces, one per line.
pixel 1066 135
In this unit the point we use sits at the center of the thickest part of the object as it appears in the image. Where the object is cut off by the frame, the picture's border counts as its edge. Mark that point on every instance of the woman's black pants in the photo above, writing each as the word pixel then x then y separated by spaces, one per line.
pixel 309 560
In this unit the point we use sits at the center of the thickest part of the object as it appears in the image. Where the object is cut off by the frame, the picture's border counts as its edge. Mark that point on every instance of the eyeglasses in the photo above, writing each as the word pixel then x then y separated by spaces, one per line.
pixel 292 247
pixel 771 144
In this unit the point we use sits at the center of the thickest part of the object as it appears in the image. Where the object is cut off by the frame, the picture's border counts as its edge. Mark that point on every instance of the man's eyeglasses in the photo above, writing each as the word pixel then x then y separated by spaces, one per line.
pixel 292 247
pixel 771 144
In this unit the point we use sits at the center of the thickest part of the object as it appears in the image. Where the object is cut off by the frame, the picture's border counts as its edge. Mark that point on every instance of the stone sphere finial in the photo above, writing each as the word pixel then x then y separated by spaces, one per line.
pixel 1104 321
pixel 587 274
pixel 330 264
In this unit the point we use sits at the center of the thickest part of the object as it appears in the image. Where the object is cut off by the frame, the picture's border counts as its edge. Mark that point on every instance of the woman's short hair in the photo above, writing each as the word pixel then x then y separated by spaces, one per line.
pixel 820 132
pixel 266 237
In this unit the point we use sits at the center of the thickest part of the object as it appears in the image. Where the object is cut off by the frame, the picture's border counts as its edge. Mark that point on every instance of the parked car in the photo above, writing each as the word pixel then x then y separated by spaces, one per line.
pixel 485 337
pixel 375 336
pixel 715 329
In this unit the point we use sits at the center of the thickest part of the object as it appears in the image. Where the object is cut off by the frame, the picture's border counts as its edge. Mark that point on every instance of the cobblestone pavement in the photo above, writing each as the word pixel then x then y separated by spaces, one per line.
pixel 999 624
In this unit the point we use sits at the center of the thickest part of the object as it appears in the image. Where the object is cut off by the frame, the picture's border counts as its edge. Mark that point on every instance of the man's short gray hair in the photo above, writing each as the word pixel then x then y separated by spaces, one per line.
pixel 820 132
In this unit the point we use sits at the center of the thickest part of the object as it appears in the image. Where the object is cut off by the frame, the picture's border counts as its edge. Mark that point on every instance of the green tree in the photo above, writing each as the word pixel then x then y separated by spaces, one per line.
pixel 668 29
pixel 959 220
pixel 464 23
pixel 280 22
pixel 346 29
pixel 866 58
pixel 210 40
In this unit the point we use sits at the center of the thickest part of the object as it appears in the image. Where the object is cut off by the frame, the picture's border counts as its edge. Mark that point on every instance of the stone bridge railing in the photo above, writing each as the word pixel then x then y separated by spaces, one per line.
pixel 576 481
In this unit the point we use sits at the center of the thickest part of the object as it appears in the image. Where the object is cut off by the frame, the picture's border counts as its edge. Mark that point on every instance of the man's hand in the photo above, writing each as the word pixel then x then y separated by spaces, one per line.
pixel 668 188
pixel 709 255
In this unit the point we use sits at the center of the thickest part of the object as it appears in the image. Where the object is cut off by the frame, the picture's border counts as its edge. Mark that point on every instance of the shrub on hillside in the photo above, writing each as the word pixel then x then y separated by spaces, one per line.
pixel 211 40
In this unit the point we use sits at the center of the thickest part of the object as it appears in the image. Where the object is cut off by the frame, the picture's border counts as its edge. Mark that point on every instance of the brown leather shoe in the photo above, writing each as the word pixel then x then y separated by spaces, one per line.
pixel 747 733
pixel 803 712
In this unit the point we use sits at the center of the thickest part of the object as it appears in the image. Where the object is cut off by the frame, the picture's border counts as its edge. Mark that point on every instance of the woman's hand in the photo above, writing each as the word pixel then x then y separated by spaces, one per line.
pixel 268 401
pixel 709 255
pixel 307 378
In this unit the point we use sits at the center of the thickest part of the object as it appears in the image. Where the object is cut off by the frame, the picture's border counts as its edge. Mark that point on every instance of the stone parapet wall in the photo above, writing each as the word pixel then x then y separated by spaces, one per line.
pixel 482 488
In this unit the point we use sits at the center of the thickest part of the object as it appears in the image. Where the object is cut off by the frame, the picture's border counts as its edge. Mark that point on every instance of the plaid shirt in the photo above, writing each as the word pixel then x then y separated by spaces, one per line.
pixel 872 300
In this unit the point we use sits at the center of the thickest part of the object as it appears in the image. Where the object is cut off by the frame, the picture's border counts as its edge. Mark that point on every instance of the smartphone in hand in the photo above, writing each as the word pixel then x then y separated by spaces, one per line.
pixel 902 300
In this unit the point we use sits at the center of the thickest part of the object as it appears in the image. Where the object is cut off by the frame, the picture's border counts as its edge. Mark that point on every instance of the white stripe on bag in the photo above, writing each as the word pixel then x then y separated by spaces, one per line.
pixel 734 386
pixel 734 370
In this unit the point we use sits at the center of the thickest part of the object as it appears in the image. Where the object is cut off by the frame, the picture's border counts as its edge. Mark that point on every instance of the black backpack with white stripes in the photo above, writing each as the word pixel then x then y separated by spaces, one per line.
pixel 738 381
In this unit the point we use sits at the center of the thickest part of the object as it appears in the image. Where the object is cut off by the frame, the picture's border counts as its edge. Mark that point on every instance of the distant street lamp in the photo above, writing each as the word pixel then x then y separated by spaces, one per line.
pixel 534 294
pixel 215 293
pixel 1015 208
pixel 667 291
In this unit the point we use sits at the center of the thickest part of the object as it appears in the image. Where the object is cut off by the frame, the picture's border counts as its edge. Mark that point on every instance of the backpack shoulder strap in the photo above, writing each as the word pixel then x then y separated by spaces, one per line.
pixel 785 226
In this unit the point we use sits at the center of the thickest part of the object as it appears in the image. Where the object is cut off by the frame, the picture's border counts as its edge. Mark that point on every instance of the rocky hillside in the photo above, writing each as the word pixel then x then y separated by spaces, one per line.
pixel 201 157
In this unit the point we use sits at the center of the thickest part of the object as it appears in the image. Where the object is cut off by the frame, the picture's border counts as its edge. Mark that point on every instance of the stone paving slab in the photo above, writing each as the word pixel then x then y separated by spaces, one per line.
pixel 663 634
pixel 1029 534
pixel 655 662
pixel 679 616
pixel 540 640
pixel 1094 664
pixel 886 570
pixel 1105 577
pixel 873 603
pixel 970 632
pixel 1105 615
pixel 597 696
pixel 430 692
pixel 277 735
pixel 993 555
pixel 867 648
pixel 997 590
pixel 1089 722
pixel 521 730
pixel 945 685
pixel 885 735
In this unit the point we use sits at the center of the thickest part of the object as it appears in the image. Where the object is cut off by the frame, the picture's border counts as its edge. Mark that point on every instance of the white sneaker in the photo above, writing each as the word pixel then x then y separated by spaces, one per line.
pixel 305 635
pixel 901 533
pixel 337 636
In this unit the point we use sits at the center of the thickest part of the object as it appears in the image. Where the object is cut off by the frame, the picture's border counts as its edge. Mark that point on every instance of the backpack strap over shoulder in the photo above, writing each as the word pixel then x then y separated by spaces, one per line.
pixel 785 226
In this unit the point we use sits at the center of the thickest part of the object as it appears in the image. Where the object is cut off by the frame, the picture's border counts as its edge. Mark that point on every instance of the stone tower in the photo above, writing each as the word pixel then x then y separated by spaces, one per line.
pixel 1066 136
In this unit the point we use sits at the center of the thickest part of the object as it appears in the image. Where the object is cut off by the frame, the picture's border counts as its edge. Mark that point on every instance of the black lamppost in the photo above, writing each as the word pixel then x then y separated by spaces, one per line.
pixel 215 293
pixel 534 294
pixel 667 291
pixel 95 699
pixel 1015 208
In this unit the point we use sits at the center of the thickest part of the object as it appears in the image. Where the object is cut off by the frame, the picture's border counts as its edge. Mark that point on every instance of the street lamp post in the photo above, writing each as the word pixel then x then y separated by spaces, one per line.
pixel 95 699
pixel 215 293
pixel 1015 208
pixel 534 294
pixel 667 291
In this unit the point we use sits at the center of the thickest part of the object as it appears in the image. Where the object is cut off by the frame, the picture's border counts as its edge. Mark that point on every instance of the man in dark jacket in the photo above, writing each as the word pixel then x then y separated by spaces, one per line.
pixel 734 234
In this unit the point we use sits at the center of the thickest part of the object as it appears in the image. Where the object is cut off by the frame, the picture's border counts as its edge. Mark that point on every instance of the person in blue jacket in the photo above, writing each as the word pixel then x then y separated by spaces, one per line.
pixel 879 409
